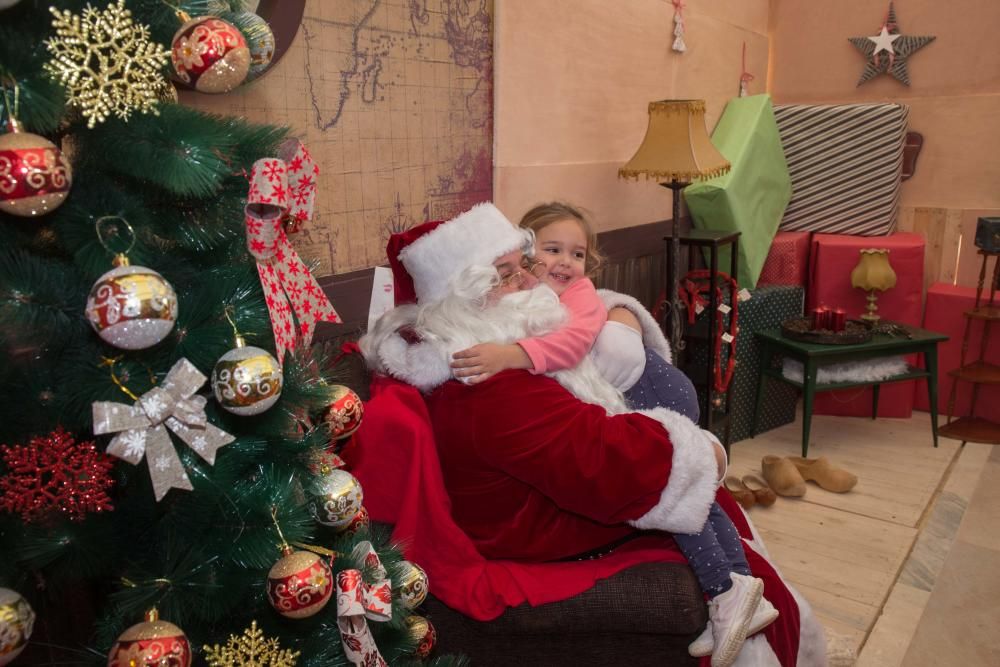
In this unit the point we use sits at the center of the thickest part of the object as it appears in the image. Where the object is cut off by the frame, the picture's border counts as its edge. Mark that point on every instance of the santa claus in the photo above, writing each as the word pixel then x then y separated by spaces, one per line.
pixel 523 469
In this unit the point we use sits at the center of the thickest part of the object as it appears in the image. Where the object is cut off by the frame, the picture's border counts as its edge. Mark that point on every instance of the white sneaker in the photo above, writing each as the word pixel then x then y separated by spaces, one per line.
pixel 731 614
pixel 765 615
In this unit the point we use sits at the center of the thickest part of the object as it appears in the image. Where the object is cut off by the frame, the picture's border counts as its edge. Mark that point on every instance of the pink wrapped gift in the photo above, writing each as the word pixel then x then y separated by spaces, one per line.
pixel 944 312
pixel 832 258
pixel 787 261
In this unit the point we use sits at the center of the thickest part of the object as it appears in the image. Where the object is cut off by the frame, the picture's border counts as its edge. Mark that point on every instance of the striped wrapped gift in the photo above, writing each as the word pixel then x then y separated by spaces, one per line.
pixel 844 161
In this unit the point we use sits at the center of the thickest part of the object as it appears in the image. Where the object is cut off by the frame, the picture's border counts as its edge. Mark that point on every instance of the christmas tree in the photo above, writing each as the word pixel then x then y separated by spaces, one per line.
pixel 168 433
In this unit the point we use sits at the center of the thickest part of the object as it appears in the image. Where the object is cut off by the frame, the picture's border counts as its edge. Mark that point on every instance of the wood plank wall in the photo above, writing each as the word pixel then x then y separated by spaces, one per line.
pixel 950 256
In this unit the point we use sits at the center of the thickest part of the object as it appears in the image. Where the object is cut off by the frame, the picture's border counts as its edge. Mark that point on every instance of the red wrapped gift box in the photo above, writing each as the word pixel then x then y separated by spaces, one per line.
pixel 945 305
pixel 832 258
pixel 787 261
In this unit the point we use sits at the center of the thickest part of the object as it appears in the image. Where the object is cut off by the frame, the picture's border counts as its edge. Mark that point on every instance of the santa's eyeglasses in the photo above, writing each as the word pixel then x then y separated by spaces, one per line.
pixel 517 278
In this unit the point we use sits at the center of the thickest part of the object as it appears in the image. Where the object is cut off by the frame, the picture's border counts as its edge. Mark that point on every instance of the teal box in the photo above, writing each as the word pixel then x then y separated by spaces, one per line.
pixel 767 308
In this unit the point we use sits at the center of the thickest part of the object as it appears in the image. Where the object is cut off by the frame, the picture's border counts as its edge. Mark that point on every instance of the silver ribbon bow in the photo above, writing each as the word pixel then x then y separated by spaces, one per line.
pixel 142 427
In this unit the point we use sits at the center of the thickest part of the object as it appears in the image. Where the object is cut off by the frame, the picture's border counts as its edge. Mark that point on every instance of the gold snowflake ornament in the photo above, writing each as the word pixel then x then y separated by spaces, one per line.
pixel 251 649
pixel 106 62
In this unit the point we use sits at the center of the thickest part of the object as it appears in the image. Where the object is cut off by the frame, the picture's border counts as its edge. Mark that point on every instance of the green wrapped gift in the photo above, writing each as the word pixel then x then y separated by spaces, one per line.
pixel 752 196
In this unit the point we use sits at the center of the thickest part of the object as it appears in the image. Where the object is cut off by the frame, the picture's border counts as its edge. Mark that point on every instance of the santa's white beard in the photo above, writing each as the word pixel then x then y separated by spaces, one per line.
pixel 459 321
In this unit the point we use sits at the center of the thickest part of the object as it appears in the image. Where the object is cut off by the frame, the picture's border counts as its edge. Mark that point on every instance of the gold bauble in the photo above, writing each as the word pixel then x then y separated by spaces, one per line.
pixel 247 380
pixel 16 623
pixel 132 307
pixel 152 643
pixel 413 585
pixel 421 631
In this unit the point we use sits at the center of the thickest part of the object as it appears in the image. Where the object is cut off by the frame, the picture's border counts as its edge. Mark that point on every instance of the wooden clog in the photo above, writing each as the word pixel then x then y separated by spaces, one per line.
pixel 825 474
pixel 741 493
pixel 762 493
pixel 782 476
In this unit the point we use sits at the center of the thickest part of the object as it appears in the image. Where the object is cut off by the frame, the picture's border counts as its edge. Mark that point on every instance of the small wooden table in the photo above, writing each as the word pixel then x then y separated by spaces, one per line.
pixel 814 355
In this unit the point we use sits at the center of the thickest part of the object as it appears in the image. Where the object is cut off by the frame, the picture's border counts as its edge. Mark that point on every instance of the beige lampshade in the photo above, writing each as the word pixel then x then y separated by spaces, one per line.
pixel 873 271
pixel 676 145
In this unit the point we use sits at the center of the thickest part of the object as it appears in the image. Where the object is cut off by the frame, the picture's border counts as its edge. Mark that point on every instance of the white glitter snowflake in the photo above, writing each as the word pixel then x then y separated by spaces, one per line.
pixel 162 462
pixel 135 444
pixel 199 443
pixel 154 406
pixel 106 62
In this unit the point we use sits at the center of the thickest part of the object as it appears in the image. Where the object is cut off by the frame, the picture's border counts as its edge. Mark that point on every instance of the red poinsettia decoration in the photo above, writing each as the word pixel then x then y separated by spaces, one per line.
pixel 55 474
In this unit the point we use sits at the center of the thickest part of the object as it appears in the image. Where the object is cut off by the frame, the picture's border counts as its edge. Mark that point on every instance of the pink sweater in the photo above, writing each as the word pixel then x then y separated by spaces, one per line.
pixel 565 347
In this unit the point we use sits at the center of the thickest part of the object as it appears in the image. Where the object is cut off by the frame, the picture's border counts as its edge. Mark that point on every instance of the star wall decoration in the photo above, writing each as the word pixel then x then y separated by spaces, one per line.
pixel 887 51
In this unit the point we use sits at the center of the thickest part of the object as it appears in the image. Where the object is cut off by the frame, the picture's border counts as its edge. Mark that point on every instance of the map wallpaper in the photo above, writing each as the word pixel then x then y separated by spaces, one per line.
pixel 394 99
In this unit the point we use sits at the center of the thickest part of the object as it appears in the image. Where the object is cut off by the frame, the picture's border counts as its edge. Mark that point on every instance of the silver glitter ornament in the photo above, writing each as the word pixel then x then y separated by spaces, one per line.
pixel 260 41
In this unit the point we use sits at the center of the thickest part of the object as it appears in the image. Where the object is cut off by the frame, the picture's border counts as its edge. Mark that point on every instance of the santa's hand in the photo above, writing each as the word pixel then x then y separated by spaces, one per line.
pixel 619 355
pixel 480 362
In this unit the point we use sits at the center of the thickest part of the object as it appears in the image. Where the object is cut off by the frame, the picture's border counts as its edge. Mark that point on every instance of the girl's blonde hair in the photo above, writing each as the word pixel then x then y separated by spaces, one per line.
pixel 543 215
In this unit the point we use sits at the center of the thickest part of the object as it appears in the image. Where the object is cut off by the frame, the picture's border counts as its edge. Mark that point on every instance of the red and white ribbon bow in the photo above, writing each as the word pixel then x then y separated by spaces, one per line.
pixel 357 602
pixel 302 175
pixel 289 287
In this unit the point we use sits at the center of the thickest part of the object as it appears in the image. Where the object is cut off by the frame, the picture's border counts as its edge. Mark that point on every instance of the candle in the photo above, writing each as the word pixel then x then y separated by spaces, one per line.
pixel 839 319
pixel 820 316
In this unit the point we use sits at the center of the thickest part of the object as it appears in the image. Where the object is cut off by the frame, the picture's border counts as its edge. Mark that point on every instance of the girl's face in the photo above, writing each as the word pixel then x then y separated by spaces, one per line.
pixel 562 248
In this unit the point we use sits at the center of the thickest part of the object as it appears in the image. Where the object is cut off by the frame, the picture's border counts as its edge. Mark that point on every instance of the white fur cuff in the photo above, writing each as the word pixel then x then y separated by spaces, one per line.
pixel 652 336
pixel 689 493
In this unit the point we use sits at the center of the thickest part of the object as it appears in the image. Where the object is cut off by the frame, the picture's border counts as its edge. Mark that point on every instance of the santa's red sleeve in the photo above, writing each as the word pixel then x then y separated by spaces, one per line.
pixel 656 470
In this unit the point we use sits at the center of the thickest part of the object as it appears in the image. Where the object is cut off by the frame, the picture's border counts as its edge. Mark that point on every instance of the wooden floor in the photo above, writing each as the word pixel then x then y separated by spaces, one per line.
pixel 867 560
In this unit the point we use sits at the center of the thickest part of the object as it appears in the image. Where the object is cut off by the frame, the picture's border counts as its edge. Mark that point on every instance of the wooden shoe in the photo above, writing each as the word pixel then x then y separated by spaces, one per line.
pixel 741 493
pixel 825 474
pixel 762 493
pixel 782 476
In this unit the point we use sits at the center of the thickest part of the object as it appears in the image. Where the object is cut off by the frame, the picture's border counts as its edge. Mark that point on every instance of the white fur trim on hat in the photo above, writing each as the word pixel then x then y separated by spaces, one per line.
pixel 475 238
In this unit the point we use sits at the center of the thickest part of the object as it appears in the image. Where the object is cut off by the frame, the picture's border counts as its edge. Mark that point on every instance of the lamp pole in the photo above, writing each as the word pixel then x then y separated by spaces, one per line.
pixel 675 330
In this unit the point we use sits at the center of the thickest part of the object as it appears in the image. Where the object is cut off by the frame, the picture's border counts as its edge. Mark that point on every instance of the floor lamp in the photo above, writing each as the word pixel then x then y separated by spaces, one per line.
pixel 675 151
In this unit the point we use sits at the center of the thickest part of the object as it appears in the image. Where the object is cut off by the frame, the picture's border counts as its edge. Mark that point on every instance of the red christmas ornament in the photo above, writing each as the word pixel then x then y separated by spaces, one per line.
pixel 152 643
pixel 300 584
pixel 360 520
pixel 344 412
pixel 55 474
pixel 210 55
pixel 35 176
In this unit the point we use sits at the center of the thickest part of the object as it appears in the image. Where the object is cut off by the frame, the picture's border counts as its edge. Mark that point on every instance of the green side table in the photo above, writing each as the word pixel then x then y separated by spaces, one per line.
pixel 814 355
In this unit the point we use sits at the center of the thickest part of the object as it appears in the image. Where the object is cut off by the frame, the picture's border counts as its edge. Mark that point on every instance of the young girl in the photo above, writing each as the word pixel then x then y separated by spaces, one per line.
pixel 564 254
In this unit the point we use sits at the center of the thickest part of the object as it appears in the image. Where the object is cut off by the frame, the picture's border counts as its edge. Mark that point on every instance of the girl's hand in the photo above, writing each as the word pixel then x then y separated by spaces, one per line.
pixel 480 362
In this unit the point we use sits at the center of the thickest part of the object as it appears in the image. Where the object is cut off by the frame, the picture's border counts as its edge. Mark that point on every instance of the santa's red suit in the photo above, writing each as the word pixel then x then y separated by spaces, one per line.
pixel 487 484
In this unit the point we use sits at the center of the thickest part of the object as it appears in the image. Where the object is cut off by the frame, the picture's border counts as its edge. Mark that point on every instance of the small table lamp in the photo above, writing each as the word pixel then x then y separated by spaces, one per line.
pixel 873 273
pixel 678 150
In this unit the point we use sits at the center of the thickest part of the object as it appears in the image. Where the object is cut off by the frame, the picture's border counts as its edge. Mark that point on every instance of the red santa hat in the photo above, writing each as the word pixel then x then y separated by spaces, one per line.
pixel 425 258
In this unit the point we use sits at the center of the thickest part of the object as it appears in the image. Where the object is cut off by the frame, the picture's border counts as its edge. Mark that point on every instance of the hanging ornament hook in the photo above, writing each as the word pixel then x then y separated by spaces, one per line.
pixel 108 230
pixel 240 340
pixel 284 546
pixel 110 363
